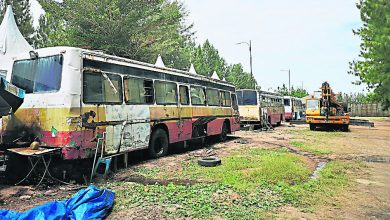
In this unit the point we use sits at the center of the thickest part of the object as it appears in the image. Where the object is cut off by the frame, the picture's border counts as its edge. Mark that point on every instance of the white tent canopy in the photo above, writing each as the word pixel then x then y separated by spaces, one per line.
pixel 215 75
pixel 159 62
pixel 12 41
pixel 192 69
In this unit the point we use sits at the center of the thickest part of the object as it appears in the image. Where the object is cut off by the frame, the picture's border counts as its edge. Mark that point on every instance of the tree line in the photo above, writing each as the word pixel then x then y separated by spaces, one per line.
pixel 135 29
pixel 373 65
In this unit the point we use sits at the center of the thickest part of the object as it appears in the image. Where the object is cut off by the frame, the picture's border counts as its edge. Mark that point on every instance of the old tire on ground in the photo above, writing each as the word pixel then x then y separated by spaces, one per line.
pixel 312 127
pixel 209 161
pixel 158 144
pixel 224 131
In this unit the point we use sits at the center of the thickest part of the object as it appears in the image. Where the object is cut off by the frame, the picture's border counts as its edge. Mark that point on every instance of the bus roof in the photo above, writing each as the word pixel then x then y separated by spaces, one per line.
pixel 100 56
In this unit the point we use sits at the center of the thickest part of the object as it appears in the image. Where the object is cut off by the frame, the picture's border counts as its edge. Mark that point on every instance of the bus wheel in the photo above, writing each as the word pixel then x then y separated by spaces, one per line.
pixel 224 132
pixel 312 127
pixel 158 145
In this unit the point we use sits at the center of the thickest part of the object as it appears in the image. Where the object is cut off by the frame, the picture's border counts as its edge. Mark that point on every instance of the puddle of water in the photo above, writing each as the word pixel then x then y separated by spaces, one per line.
pixel 316 174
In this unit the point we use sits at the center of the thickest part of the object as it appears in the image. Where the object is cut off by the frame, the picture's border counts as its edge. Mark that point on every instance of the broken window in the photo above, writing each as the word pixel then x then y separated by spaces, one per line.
pixel 225 98
pixel 184 96
pixel 99 89
pixel 166 92
pixel 198 96
pixel 138 91
pixel 38 75
pixel 212 97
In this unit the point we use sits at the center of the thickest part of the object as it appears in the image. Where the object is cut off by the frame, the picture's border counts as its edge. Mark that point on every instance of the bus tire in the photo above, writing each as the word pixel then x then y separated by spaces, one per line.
pixel 224 131
pixel 312 127
pixel 158 144
pixel 209 162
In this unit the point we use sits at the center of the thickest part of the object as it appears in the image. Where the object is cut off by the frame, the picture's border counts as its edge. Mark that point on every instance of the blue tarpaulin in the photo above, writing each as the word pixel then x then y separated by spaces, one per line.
pixel 89 203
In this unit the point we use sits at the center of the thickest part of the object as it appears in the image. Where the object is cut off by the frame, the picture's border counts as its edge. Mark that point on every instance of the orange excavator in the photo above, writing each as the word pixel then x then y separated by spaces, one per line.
pixel 326 113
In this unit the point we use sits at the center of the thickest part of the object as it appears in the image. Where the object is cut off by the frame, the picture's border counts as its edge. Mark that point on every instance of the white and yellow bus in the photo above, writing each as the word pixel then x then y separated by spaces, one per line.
pixel 260 107
pixel 74 95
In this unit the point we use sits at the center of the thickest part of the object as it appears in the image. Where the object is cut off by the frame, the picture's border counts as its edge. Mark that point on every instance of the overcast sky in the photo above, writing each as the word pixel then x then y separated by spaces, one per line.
pixel 313 38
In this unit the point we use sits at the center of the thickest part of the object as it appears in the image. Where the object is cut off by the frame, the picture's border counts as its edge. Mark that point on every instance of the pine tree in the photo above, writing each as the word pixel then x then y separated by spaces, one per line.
pixel 23 17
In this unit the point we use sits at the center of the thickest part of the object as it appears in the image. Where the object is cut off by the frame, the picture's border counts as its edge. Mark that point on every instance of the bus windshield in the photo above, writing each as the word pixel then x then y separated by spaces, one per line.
pixel 249 97
pixel 312 104
pixel 38 75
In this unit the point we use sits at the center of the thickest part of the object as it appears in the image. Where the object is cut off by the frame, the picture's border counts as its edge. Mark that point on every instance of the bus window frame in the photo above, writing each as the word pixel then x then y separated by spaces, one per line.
pixel 121 92
pixel 142 78
pixel 218 96
pixel 204 92
pixel 188 94
pixel 155 97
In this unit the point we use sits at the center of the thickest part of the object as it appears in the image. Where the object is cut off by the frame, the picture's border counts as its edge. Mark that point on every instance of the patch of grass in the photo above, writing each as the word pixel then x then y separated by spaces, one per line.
pixel 310 148
pixel 317 134
pixel 333 179
pixel 148 172
pixel 197 201
pixel 248 185
pixel 249 169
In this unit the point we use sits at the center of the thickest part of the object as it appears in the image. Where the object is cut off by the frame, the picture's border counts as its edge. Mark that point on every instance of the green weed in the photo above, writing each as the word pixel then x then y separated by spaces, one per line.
pixel 310 148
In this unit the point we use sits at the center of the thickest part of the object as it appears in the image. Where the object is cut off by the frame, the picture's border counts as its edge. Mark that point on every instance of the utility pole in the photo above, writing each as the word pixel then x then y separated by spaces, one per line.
pixel 250 55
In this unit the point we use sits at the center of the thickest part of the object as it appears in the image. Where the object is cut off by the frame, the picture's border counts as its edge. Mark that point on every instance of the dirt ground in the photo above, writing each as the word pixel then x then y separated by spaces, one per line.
pixel 367 198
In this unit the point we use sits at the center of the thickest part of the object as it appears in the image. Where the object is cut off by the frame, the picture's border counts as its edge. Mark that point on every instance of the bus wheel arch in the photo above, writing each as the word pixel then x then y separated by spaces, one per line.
pixel 225 129
pixel 159 141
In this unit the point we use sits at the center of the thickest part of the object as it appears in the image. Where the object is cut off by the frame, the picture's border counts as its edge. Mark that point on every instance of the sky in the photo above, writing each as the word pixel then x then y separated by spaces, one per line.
pixel 312 38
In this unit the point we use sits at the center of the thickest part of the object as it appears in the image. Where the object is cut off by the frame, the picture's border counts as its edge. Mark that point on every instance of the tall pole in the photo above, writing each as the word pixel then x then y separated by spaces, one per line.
pixel 250 55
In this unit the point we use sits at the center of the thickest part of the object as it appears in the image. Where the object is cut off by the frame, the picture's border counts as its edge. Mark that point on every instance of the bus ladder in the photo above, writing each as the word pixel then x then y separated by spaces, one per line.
pixel 101 160
pixel 266 125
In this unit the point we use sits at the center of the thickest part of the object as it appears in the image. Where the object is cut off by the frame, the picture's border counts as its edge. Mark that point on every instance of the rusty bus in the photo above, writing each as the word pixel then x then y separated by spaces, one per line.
pixel 260 107
pixel 74 95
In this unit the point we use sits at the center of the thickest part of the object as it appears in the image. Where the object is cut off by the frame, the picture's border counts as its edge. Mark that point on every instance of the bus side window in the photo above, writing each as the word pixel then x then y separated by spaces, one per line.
pixel 198 96
pixel 97 89
pixel 212 97
pixel 139 91
pixel 234 101
pixel 166 92
pixel 183 95
pixel 228 100
pixel 221 98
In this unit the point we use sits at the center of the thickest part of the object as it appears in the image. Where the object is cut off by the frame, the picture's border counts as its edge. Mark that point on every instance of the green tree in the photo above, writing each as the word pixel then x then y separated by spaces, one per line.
pixel 139 30
pixel 23 18
pixel 239 78
pixel 282 90
pixel 206 60
pixel 373 65
pixel 299 92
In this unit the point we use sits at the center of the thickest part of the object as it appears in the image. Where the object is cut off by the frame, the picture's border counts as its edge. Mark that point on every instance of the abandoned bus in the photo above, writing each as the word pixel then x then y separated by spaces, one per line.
pixel 74 96
pixel 293 108
pixel 260 107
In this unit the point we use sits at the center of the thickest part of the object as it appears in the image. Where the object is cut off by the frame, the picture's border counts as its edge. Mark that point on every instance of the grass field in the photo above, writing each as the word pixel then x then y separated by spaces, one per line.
pixel 250 184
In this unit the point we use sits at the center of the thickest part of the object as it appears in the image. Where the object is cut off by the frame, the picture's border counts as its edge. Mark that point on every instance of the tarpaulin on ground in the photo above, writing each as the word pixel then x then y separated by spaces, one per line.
pixel 89 203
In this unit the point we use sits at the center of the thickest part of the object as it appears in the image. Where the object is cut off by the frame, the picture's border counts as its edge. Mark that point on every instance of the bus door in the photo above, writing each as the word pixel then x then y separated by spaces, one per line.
pixel 185 114
pixel 134 130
